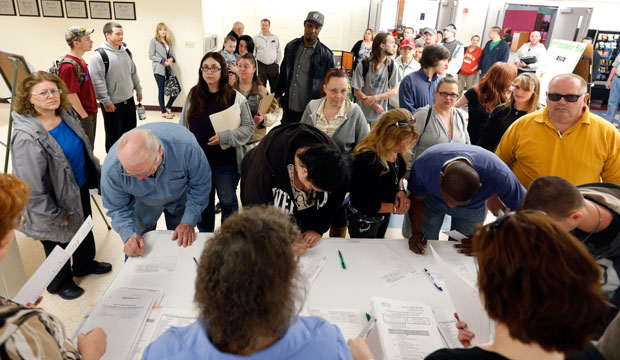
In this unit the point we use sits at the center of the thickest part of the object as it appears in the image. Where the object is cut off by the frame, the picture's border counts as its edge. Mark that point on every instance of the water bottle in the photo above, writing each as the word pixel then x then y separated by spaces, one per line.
pixel 141 111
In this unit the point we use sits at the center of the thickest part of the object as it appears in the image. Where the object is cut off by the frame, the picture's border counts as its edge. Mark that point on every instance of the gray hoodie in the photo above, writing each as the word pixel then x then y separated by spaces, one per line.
pixel 122 77
pixel 40 161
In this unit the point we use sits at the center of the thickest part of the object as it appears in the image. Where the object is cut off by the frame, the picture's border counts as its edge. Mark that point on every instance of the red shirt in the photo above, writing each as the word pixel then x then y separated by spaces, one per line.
pixel 470 61
pixel 85 92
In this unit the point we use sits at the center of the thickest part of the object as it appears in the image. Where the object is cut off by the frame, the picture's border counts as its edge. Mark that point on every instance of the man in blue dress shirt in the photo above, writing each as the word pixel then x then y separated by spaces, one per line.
pixel 155 168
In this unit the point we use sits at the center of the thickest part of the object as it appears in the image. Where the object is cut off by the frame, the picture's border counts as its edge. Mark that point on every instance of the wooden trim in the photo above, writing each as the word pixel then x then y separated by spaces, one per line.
pixel 401 10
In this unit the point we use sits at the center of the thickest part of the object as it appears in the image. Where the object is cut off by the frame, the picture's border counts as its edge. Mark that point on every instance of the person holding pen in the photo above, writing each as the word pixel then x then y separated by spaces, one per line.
pixel 457 179
pixel 379 165
pixel 156 168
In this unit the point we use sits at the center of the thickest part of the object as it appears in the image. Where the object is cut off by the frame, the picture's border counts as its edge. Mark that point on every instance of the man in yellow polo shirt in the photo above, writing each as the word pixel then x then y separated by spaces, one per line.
pixel 564 139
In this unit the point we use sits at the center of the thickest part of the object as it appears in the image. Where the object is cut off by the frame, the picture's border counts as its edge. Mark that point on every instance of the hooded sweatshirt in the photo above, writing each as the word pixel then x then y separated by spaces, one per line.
pixel 265 179
pixel 121 79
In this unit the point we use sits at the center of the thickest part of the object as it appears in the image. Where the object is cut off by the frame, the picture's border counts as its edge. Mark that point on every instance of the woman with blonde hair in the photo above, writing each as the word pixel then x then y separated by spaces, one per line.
pixel 379 166
pixel 523 100
pixel 361 49
pixel 492 90
pixel 53 155
pixel 160 53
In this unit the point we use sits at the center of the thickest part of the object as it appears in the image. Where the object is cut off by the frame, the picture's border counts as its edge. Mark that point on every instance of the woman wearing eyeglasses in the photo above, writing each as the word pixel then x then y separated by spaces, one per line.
pixel 523 100
pixel 492 90
pixel 250 86
pixel 225 149
pixel 379 166
pixel 53 155
pixel 441 122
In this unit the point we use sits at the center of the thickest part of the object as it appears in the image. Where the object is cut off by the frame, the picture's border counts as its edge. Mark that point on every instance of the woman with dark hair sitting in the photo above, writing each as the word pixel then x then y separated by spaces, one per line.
pixel 379 166
pixel 224 150
pixel 247 292
pixel 539 285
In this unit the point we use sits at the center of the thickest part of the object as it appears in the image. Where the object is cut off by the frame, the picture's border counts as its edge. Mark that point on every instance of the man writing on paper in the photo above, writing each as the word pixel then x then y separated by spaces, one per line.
pixel 155 168
pixel 300 170
pixel 456 179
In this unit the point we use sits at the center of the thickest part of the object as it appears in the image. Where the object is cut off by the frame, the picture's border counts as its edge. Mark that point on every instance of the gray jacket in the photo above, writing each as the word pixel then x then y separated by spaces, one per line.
pixel 122 77
pixel 352 130
pixel 237 138
pixel 435 132
pixel 40 161
pixel 157 54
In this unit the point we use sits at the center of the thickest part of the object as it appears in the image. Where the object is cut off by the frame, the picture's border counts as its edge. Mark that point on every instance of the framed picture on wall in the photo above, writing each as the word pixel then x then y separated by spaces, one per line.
pixel 100 10
pixel 28 7
pixel 7 7
pixel 52 8
pixel 124 10
pixel 76 9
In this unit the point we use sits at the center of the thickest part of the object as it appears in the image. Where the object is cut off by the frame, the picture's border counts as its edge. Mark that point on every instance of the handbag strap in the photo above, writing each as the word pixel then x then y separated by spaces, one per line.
pixel 428 116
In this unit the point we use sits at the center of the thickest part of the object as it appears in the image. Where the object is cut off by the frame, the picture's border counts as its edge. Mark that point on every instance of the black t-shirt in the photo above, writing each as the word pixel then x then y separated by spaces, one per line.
pixel 603 238
pixel 369 187
pixel 478 116
pixel 499 121
pixel 591 353
pixel 202 128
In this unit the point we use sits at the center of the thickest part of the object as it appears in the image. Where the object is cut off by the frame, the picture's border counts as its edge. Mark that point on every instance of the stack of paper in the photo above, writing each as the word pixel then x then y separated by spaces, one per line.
pixel 385 263
pixel 406 329
pixel 351 322
pixel 311 263
pixel 466 300
pixel 446 324
pixel 121 314
pixel 161 258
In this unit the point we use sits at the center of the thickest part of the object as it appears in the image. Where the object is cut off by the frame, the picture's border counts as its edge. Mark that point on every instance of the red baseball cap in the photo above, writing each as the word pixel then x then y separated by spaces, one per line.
pixel 408 42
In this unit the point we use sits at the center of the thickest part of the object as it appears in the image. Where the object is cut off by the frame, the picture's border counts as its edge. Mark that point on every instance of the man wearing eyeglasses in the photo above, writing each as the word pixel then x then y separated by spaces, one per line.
pixel 564 139
pixel 156 168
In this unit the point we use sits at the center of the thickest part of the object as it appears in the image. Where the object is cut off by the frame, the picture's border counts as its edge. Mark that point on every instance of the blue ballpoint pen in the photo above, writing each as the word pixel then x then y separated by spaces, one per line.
pixel 428 273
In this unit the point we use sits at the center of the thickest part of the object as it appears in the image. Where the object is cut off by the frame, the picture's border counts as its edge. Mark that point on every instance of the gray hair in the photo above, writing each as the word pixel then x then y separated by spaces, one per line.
pixel 583 86
pixel 140 143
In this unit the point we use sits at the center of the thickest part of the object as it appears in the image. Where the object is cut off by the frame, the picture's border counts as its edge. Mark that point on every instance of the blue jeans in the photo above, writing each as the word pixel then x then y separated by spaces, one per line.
pixel 224 180
pixel 614 99
pixel 364 226
pixel 463 219
pixel 161 81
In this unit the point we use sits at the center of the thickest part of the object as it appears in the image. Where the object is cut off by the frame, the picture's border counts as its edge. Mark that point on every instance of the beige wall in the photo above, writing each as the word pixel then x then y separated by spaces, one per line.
pixel 41 40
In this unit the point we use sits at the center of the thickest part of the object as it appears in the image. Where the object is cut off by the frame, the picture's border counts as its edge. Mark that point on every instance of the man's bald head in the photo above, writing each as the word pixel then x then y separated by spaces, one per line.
pixel 460 182
pixel 238 28
pixel 137 147
pixel 579 82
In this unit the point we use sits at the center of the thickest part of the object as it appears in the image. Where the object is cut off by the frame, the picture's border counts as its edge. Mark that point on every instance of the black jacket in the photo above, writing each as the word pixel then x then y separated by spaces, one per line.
pixel 322 60
pixel 355 50
pixel 265 179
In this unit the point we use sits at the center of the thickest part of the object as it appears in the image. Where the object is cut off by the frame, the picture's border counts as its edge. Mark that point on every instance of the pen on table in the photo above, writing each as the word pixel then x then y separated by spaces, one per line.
pixel 370 328
pixel 342 260
pixel 196 261
pixel 428 273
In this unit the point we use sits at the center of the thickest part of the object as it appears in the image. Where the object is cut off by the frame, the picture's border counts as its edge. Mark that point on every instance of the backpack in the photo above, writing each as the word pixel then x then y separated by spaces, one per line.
pixel 67 60
pixel 366 66
pixel 106 59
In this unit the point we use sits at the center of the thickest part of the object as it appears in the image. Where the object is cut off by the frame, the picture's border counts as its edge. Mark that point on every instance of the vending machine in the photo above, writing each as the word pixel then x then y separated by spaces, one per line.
pixel 606 44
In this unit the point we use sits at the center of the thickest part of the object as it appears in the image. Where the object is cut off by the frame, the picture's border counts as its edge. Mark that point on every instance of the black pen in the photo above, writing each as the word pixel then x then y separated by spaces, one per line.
pixel 196 261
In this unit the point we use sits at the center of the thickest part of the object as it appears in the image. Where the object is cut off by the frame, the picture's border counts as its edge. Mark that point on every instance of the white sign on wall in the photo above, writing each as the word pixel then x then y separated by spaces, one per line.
pixel 561 58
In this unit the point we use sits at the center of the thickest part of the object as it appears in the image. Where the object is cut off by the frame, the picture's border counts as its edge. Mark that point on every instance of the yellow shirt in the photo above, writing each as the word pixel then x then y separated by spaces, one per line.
pixel 586 152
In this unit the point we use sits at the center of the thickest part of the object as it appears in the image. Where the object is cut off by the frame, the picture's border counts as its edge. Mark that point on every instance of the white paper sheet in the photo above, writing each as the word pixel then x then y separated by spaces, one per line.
pixel 466 301
pixel 446 324
pixel 38 282
pixel 311 264
pixel 407 329
pixel 147 332
pixel 161 258
pixel 459 263
pixel 385 263
pixel 455 235
pixel 227 119
pixel 172 317
pixel 350 321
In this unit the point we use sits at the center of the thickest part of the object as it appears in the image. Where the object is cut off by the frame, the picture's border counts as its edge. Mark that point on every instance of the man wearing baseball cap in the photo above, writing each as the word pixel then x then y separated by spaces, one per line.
pixel 405 65
pixel 74 72
pixel 306 61
pixel 430 36
pixel 455 48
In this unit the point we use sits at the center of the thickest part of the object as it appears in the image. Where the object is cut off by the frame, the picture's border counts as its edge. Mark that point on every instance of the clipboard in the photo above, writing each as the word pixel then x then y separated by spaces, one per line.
pixel 265 104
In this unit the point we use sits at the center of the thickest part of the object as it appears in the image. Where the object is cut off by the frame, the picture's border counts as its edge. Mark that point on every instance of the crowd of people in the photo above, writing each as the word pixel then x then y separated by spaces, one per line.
pixel 402 144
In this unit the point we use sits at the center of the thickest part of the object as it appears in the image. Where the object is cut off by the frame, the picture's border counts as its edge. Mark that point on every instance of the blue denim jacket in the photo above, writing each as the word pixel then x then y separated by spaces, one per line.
pixel 183 180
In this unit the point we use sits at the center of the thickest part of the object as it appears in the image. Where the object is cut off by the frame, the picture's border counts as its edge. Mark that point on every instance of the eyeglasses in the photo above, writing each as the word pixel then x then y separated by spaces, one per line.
pixel 452 96
pixel 403 123
pixel 568 97
pixel 151 174
pixel 54 92
pixel 20 220
pixel 213 69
